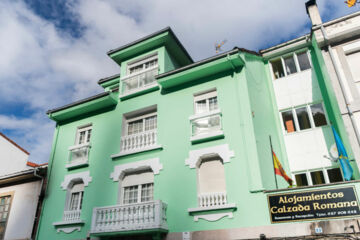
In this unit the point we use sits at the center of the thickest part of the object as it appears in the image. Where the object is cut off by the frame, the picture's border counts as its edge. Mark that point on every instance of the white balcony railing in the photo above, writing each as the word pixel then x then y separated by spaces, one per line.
pixel 71 216
pixel 137 81
pixel 129 217
pixel 139 141
pixel 215 199
pixel 79 154
pixel 206 123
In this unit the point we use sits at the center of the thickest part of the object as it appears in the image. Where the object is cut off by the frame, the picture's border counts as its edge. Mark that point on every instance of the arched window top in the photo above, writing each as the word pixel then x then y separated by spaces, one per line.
pixel 82 177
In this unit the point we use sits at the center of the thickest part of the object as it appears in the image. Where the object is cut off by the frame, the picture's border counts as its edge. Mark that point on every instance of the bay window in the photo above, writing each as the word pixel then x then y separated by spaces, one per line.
pixel 79 153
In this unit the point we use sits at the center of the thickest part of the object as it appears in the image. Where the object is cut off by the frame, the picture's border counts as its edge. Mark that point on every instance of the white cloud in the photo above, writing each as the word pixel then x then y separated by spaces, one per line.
pixel 42 67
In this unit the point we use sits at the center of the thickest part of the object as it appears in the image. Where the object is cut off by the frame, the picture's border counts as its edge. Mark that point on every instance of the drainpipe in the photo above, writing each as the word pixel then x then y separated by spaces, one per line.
pixel 342 87
pixel 313 12
pixel 37 216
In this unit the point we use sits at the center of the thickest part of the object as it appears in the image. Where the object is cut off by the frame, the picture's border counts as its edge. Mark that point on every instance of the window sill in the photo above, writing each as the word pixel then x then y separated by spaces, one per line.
pixel 140 91
pixel 65 223
pixel 78 164
pixel 213 208
pixel 207 137
pixel 120 154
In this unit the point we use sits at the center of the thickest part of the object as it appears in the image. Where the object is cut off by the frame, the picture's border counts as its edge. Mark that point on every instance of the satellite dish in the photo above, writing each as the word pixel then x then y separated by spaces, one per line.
pixel 334 152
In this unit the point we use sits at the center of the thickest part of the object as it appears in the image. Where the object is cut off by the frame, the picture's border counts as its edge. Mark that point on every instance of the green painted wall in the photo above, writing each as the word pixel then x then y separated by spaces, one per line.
pixel 249 116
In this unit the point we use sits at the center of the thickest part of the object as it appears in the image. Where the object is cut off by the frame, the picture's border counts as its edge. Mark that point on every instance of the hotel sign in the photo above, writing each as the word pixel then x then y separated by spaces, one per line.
pixel 315 204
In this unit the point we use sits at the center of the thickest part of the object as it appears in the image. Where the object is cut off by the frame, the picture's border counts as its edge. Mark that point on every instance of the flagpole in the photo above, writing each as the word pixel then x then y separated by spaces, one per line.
pixel 272 158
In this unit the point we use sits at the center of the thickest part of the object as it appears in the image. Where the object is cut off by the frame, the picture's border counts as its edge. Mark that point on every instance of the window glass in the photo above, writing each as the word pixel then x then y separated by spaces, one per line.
pixel 318 114
pixel 301 180
pixel 213 103
pixel 4 213
pixel 334 175
pixel 83 135
pixel 290 65
pixel 201 106
pixel 147 192
pixel 135 127
pixel 303 118
pixel 277 68
pixel 288 120
pixel 317 177
pixel 130 194
pixel 150 123
pixel 303 60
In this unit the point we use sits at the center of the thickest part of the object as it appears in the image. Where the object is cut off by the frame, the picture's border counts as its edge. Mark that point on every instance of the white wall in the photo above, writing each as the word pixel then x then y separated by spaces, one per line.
pixel 22 211
pixel 305 149
pixel 12 159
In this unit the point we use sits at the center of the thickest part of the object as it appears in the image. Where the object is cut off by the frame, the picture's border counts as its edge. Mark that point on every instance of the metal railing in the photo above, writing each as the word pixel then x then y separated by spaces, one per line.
pixel 137 216
pixel 79 153
pixel 136 81
pixel 206 124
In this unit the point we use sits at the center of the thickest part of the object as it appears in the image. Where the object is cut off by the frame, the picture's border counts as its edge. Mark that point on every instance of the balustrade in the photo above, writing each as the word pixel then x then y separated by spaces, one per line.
pixel 139 141
pixel 71 215
pixel 212 199
pixel 139 216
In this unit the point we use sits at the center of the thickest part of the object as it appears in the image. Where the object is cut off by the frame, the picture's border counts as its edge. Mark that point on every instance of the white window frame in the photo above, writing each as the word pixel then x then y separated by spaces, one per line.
pixel 143 62
pixel 311 119
pixel 139 182
pixel 206 95
pixel 309 171
pixel 86 128
pixel 294 54
pixel 70 196
pixel 129 120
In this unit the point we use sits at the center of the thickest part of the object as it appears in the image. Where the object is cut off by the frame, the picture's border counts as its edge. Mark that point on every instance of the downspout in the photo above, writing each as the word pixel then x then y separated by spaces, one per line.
pixel 40 199
pixel 48 176
pixel 342 87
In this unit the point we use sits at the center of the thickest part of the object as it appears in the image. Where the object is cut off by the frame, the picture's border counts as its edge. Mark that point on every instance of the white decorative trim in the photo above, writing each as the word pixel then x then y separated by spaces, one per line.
pixel 84 176
pixel 213 217
pixel 79 146
pixel 222 150
pixel 68 229
pixel 120 170
pixel 81 163
pixel 205 114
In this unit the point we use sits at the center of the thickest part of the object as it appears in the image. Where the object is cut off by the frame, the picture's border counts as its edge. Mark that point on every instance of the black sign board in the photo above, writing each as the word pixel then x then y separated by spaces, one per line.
pixel 315 204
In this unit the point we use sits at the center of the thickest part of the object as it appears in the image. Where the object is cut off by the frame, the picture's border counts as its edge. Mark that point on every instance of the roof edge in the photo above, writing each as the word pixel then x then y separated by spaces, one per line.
pixel 167 29
pixel 102 80
pixel 14 143
pixel 78 102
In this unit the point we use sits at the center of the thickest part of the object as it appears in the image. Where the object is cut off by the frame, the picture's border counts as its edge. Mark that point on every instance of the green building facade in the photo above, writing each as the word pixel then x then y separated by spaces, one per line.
pixel 176 149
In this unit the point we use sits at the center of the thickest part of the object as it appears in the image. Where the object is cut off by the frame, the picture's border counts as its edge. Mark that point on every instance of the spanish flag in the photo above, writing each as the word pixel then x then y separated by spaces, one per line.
pixel 279 169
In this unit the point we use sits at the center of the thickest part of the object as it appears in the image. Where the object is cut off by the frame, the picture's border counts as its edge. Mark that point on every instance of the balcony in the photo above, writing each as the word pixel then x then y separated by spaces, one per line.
pixel 139 82
pixel 150 216
pixel 212 199
pixel 78 156
pixel 206 126
pixel 71 216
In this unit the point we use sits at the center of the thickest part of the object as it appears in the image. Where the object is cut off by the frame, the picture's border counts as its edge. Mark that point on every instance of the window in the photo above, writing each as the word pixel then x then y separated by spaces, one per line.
pixel 83 135
pixel 293 63
pixel 142 124
pixel 207 118
pixel 303 60
pixel 5 203
pixel 211 182
pixel 139 132
pixel 138 187
pixel 76 197
pixel 353 63
pixel 290 65
pixel 315 177
pixel 205 102
pixel 306 117
pixel 140 74
pixel 277 69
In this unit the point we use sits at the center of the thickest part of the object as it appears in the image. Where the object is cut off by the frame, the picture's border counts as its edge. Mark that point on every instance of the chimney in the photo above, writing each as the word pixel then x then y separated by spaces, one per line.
pixel 313 12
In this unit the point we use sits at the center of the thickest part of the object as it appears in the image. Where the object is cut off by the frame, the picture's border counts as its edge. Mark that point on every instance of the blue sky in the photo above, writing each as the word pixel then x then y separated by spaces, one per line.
pixel 53 52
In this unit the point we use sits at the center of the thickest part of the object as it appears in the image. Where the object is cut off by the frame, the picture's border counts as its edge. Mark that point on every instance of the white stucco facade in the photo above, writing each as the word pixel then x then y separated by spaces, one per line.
pixel 22 210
